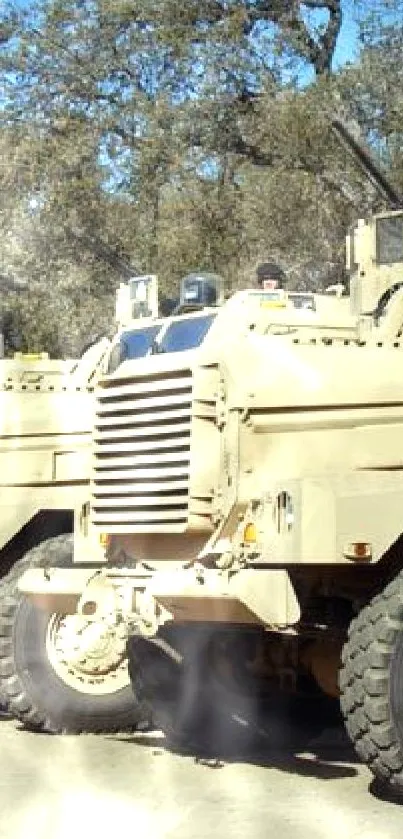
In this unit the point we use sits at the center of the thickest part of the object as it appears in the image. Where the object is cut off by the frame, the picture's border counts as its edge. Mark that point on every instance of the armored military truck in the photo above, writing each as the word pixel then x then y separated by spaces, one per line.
pixel 245 516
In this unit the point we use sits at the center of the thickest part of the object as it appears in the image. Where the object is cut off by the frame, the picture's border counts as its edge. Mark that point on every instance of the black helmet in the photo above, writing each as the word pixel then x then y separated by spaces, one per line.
pixel 270 271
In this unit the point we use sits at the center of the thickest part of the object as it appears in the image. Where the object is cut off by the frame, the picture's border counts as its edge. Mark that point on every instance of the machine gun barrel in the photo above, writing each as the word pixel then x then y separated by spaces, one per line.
pixel 365 160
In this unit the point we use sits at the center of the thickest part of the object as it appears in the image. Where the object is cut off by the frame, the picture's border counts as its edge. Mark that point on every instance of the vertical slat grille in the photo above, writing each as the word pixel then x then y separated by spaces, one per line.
pixel 142 453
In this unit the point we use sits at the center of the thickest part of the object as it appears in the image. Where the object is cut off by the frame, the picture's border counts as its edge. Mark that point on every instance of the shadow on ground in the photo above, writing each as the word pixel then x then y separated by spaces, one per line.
pixel 306 742
pixel 385 793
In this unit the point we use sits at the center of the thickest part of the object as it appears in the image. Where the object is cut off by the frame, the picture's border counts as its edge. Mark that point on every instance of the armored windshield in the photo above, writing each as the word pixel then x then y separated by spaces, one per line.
pixel 138 343
pixel 185 334
pixel 134 344
pixel 181 334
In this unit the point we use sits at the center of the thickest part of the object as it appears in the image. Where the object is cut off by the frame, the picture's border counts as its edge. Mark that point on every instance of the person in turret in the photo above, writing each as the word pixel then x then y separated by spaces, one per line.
pixel 269 275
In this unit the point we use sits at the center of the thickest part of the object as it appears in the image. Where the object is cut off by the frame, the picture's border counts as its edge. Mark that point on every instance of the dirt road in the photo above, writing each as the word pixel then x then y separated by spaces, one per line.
pixel 55 787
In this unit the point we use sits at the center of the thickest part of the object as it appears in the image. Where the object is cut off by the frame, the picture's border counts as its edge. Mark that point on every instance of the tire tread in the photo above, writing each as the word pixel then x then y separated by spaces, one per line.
pixel 364 684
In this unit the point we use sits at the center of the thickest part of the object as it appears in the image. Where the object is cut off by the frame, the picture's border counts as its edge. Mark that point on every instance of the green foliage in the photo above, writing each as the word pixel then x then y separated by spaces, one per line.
pixel 167 137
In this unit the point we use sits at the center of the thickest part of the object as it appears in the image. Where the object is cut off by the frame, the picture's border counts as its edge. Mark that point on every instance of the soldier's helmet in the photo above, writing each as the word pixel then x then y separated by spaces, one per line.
pixel 269 274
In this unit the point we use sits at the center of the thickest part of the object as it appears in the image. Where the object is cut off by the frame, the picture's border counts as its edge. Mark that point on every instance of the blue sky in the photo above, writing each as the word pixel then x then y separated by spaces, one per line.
pixel 347 45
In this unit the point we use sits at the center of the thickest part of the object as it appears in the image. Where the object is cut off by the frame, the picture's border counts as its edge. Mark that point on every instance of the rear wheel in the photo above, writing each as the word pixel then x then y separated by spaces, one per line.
pixel 371 683
pixel 185 678
pixel 61 672
pixel 169 674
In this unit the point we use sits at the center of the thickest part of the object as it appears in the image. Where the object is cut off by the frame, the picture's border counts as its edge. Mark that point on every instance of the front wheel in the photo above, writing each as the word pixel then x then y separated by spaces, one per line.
pixel 61 672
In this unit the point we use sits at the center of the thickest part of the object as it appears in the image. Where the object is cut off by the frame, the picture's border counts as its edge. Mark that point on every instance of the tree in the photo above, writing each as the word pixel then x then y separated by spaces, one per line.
pixel 164 137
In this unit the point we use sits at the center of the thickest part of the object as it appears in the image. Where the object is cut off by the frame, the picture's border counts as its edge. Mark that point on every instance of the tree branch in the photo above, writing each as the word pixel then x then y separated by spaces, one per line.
pixel 287 15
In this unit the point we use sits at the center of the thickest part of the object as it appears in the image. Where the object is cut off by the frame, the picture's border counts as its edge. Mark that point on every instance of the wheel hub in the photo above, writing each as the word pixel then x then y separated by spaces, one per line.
pixel 87 655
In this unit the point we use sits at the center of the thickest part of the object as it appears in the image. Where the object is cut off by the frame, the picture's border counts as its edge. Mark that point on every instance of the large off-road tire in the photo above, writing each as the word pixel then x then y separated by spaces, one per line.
pixel 169 674
pixel 371 684
pixel 47 684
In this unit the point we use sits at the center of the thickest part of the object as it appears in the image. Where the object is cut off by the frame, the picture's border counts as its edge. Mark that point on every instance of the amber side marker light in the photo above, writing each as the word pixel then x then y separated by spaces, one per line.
pixel 250 534
pixel 104 540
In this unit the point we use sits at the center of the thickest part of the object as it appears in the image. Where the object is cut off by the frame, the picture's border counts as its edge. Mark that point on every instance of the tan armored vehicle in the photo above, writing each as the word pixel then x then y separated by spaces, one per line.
pixel 246 501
